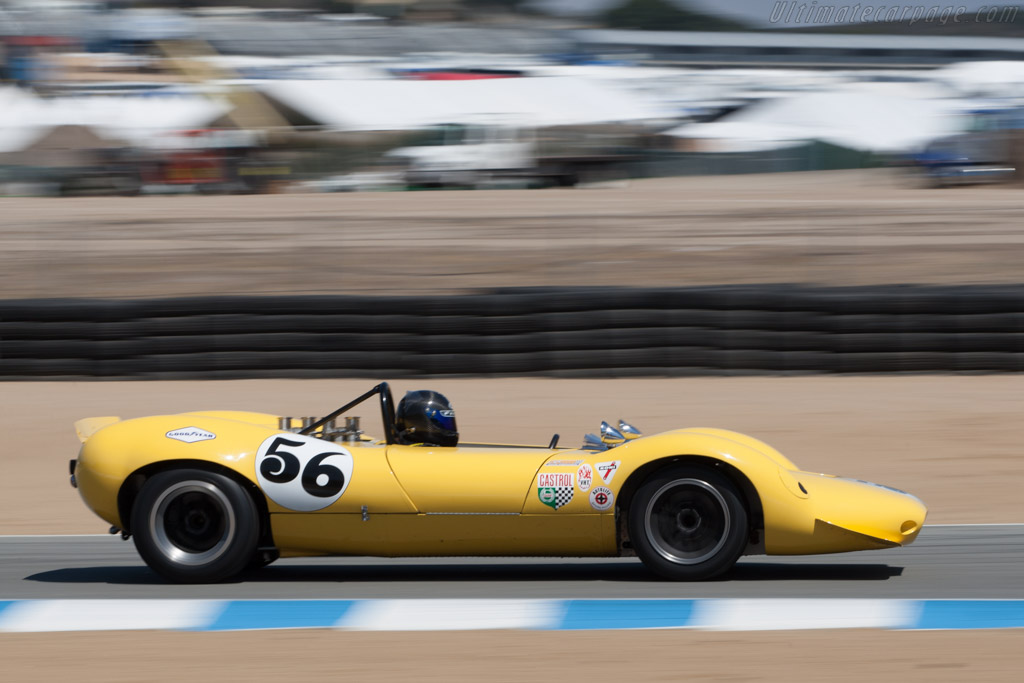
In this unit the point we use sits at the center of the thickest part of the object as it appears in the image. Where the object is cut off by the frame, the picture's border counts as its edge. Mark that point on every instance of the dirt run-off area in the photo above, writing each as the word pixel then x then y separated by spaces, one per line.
pixel 839 228
pixel 515 657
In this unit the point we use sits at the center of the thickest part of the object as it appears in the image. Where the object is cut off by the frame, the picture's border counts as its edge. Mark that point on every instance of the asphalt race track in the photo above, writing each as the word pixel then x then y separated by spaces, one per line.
pixel 950 562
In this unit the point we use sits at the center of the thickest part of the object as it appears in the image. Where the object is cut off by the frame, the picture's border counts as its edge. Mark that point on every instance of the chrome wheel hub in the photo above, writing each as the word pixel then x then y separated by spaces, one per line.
pixel 192 522
pixel 687 521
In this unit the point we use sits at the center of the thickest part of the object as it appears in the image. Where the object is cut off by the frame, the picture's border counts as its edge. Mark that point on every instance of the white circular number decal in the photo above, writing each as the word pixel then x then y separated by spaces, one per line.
pixel 302 473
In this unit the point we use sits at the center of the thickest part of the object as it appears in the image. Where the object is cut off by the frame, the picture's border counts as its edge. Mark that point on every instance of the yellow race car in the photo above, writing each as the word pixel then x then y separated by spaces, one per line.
pixel 207 495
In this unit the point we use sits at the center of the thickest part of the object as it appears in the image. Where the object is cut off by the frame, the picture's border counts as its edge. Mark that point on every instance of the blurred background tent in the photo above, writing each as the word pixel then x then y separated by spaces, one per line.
pixel 397 104
pixel 864 121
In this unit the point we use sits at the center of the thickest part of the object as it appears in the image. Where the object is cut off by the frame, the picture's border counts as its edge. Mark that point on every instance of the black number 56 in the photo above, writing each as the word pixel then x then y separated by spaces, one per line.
pixel 281 467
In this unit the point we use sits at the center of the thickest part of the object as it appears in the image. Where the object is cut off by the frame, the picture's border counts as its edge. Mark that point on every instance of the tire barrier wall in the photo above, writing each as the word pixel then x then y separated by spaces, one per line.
pixel 590 332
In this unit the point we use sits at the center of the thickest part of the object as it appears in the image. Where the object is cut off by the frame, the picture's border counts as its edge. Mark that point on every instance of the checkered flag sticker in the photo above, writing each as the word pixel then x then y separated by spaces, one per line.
pixel 555 496
pixel 555 489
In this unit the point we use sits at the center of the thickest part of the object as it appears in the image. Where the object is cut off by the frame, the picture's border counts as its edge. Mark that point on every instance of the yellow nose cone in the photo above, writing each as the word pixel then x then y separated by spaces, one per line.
pixel 848 514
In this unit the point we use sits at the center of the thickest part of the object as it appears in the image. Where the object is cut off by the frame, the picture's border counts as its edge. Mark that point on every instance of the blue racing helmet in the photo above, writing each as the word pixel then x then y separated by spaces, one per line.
pixel 426 417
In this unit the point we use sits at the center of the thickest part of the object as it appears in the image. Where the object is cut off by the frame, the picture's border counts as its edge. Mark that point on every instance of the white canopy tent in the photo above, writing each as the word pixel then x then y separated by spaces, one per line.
pixel 739 136
pixel 863 121
pixel 25 118
pixel 984 79
pixel 19 126
pixel 396 104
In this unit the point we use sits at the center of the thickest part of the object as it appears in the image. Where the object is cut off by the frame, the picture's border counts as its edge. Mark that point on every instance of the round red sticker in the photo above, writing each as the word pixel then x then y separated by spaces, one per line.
pixel 602 498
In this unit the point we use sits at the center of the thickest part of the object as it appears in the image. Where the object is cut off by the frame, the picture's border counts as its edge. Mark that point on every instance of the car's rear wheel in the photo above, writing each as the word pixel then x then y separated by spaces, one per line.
pixel 688 523
pixel 193 526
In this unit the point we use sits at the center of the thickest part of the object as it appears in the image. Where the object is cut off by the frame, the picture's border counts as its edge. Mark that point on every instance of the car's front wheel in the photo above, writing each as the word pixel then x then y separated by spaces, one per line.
pixel 688 523
pixel 193 526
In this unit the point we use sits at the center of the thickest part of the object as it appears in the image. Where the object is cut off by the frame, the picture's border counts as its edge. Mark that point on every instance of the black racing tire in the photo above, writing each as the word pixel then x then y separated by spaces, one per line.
pixel 688 523
pixel 194 526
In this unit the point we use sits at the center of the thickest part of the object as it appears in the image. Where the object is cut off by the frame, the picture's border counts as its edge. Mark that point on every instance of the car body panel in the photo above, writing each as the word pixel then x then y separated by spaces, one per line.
pixel 848 512
pixel 482 499
pixel 452 534
pixel 466 479
pixel 111 454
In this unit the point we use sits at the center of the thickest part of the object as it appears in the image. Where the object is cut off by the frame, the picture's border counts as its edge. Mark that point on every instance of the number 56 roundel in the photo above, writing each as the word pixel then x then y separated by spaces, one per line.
pixel 302 473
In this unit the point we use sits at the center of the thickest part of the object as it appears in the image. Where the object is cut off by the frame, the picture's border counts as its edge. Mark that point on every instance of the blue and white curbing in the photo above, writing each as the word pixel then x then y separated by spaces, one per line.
pixel 458 615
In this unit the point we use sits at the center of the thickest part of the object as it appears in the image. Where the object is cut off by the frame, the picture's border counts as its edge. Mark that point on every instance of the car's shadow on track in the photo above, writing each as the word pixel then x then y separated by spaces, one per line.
pixel 124 576
pixel 752 572
pixel 765 571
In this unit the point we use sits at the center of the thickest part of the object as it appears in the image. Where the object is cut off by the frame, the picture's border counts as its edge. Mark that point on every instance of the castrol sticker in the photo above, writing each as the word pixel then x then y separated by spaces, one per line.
pixel 555 489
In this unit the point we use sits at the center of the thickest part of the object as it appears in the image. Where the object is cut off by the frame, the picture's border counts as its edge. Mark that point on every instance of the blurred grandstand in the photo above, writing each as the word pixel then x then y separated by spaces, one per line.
pixel 112 98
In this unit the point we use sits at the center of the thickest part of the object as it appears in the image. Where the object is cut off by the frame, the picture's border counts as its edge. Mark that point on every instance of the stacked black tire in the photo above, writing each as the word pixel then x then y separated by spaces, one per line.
pixel 568 332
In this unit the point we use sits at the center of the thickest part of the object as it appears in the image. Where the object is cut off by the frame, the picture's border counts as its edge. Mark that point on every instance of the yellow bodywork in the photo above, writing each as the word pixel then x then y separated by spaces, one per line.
pixel 492 500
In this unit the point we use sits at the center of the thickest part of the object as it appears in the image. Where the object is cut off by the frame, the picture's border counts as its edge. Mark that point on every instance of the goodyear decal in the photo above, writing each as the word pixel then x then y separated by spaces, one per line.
pixel 190 434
